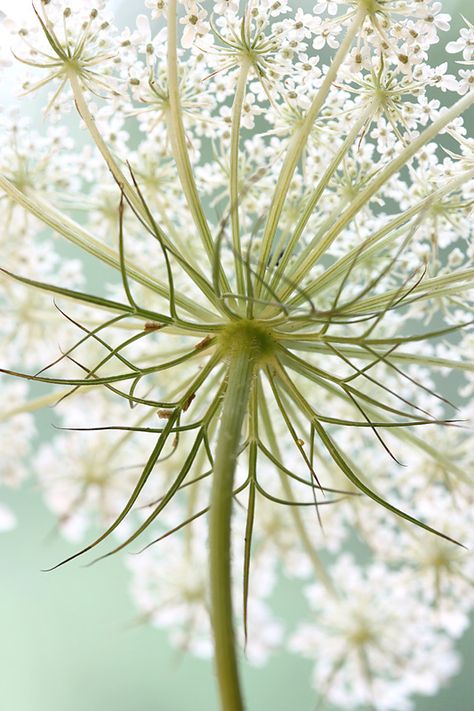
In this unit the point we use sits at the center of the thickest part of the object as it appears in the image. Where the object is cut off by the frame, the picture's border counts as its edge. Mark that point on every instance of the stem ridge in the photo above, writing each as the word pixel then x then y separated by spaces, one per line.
pixel 239 382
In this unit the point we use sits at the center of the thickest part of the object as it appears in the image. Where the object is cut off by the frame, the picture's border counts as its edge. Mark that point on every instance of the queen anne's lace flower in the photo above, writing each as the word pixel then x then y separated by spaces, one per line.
pixel 378 644
pixel 280 199
pixel 71 41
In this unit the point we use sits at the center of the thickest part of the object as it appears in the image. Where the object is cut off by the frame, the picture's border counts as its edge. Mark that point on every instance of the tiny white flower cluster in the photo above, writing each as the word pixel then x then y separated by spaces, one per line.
pixel 378 651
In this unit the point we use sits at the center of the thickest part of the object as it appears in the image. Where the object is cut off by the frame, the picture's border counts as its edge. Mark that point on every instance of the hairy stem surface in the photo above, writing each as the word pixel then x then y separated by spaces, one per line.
pixel 240 375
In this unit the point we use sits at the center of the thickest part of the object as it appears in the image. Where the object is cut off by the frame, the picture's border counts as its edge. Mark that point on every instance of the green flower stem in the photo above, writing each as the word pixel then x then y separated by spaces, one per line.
pixel 177 138
pixel 430 133
pixel 363 120
pixel 77 235
pixel 298 143
pixel 114 168
pixel 234 170
pixel 400 433
pixel 434 287
pixel 432 361
pixel 240 374
pixel 130 192
pixel 319 569
pixel 378 240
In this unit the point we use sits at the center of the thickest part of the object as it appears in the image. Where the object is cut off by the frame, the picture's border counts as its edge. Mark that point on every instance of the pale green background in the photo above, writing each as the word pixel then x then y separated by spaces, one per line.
pixel 70 640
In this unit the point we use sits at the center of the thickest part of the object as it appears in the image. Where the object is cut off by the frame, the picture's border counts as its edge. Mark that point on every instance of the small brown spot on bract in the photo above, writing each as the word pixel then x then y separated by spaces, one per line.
pixel 153 326
pixel 202 344
pixel 188 402
pixel 165 414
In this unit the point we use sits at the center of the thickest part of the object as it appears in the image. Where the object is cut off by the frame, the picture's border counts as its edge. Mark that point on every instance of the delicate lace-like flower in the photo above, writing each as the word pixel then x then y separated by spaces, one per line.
pixel 195 25
pixel 258 364
pixel 378 644
pixel 74 43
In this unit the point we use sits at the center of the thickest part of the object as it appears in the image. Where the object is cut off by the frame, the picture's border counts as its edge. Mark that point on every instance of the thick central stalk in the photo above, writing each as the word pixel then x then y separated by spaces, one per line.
pixel 241 369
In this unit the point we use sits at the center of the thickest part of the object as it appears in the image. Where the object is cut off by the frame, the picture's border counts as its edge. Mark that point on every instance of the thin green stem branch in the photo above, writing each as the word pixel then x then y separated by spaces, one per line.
pixel 364 119
pixel 234 170
pixel 177 136
pixel 112 164
pixel 431 288
pixel 382 177
pixel 131 193
pixel 79 236
pixel 298 143
pixel 426 360
pixel 379 240
pixel 319 569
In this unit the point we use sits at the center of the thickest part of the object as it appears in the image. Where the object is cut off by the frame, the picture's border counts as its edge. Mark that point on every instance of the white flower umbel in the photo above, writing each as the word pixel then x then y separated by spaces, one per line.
pixel 379 646
pixel 278 204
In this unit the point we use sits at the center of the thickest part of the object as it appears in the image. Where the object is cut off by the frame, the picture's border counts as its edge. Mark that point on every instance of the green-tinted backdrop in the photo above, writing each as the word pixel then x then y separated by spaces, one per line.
pixel 70 640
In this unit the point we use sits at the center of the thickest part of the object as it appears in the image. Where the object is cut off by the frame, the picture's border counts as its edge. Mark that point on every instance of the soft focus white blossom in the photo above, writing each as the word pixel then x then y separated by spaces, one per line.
pixel 379 647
